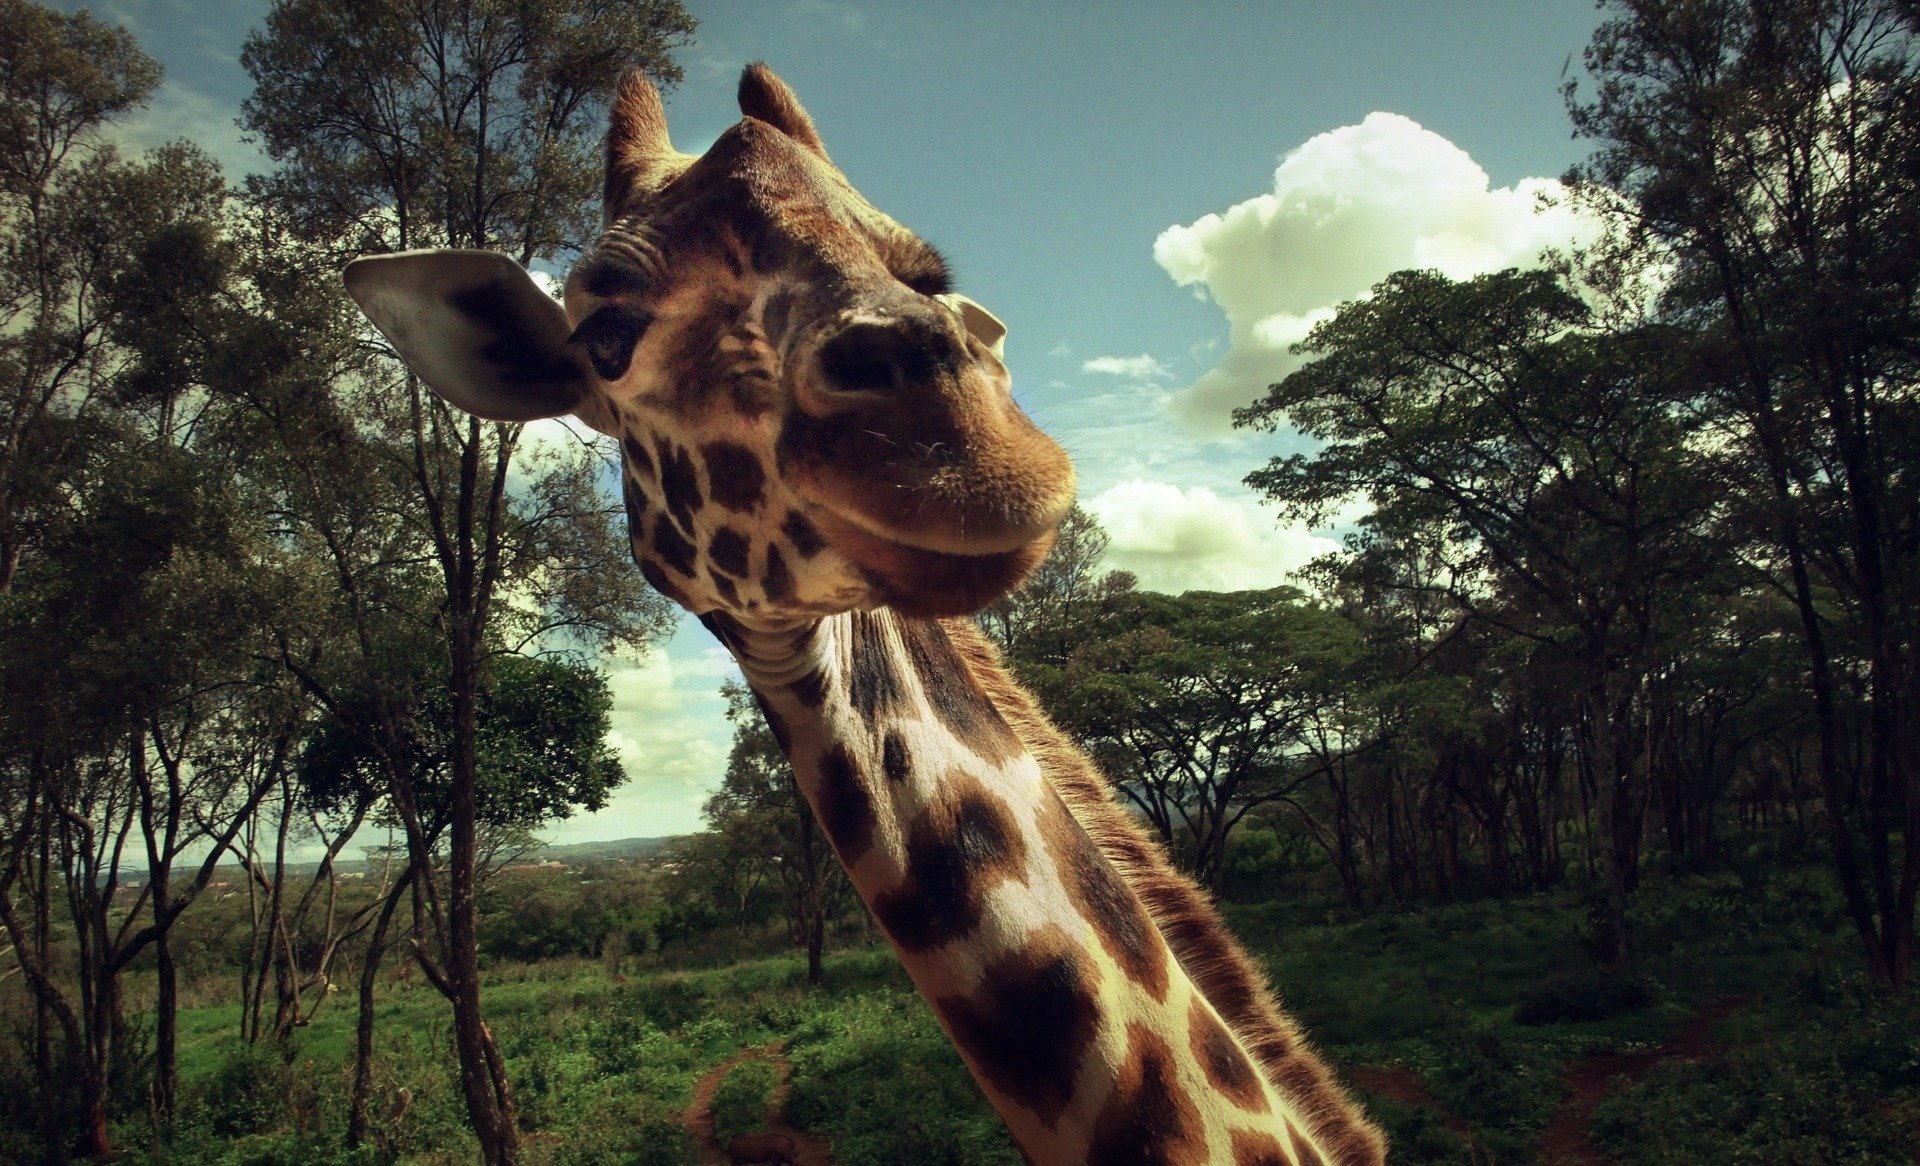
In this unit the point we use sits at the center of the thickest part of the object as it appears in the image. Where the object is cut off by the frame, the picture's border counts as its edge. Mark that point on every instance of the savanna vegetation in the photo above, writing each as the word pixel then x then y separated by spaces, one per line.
pixel 1569 804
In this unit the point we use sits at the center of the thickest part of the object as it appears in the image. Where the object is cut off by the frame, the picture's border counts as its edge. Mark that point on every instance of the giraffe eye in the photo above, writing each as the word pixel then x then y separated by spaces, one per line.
pixel 608 338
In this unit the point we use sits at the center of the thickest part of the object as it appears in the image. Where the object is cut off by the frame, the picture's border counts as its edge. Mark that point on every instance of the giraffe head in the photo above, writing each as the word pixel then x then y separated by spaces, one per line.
pixel 811 421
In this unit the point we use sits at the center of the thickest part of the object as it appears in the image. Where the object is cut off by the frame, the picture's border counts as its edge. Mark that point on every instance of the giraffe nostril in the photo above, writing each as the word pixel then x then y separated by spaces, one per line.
pixel 875 357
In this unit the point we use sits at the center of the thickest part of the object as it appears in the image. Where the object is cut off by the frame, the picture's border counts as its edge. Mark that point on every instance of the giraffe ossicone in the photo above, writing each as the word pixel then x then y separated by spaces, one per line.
pixel 823 460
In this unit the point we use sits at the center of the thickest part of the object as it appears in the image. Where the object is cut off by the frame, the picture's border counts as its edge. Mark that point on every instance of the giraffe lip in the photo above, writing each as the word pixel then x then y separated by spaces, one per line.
pixel 921 581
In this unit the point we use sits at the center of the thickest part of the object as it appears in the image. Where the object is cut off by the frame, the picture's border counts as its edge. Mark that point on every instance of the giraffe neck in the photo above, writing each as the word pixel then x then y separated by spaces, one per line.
pixel 1042 963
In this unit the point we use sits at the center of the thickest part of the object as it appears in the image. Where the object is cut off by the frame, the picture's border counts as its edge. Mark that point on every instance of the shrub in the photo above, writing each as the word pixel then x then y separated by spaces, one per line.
pixel 247 1093
pixel 1756 1107
pixel 1493 1086
pixel 740 1103
pixel 1583 994
pixel 628 1131
pixel 876 1074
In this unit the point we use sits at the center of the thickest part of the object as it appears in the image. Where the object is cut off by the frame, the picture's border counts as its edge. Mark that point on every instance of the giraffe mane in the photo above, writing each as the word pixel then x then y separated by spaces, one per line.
pixel 1219 967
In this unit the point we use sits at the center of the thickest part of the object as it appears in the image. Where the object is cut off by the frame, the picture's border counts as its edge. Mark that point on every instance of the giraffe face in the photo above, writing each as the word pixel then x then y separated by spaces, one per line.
pixel 810 422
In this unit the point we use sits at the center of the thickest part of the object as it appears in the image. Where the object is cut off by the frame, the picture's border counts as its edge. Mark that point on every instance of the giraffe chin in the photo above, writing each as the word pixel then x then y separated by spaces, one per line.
pixel 930 584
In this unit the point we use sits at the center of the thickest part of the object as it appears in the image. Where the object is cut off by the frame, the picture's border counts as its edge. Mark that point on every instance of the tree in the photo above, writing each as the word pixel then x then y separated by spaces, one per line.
pixel 399 124
pixel 1543 462
pixel 63 77
pixel 1195 704
pixel 1770 154
pixel 763 821
pixel 1030 621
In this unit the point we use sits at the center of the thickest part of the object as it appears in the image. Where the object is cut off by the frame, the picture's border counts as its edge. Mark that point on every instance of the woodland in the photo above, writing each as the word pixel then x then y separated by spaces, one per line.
pixel 1569 804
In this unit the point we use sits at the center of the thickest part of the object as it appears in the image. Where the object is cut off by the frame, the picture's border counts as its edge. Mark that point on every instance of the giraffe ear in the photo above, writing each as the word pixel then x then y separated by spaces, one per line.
pixel 767 97
pixel 475 327
pixel 640 155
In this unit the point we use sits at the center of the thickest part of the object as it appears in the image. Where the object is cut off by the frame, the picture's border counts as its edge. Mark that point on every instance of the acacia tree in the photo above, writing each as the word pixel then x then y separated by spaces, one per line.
pixel 1545 463
pixel 63 78
pixel 131 571
pixel 398 124
pixel 761 816
pixel 1031 622
pixel 1770 153
pixel 1195 704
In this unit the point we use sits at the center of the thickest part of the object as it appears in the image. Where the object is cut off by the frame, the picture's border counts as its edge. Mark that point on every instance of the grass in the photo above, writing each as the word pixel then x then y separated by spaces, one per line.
pixel 1486 1001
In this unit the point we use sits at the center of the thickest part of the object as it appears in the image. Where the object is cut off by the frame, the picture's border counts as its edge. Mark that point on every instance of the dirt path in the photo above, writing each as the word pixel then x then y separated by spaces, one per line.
pixel 1589 1079
pixel 1564 1142
pixel 1403 1085
pixel 779 1143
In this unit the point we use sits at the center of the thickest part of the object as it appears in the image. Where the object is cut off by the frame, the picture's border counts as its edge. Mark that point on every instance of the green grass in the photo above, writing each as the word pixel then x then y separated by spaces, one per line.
pixel 603 1071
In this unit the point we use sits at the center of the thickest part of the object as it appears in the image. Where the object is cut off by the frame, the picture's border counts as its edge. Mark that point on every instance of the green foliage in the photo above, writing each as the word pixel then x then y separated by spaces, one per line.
pixel 627 1131
pixel 1582 994
pixel 1497 1086
pixel 740 1102
pixel 541 744
pixel 246 1094
pixel 876 1074
pixel 1417 1136
pixel 1201 706
pixel 1765 1108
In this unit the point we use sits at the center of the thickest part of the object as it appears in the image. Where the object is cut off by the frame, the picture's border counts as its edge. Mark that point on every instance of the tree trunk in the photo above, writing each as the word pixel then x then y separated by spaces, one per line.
pixel 166 1010
pixel 816 945
pixel 363 1025
pixel 482 1074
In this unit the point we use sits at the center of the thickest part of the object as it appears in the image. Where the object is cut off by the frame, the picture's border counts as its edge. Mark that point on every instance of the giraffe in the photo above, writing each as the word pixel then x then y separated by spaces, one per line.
pixel 823 461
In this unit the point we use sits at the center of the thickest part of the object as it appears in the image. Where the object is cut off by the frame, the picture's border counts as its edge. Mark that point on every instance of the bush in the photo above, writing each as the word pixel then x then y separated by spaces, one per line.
pixel 740 1103
pixel 628 1131
pixel 876 1074
pixel 1584 994
pixel 247 1093
pixel 1757 1108
pixel 1495 1087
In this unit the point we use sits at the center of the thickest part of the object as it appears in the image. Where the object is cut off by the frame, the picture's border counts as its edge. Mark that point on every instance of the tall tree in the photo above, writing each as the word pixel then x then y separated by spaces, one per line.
pixel 63 78
pixel 1544 462
pixel 761 816
pixel 1033 620
pixel 1770 153
pixel 1195 704
pixel 407 123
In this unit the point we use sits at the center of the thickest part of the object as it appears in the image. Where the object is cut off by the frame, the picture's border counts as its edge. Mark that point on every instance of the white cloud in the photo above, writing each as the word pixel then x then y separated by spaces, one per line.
pixel 178 111
pixel 669 728
pixel 1348 208
pixel 1190 539
pixel 1127 366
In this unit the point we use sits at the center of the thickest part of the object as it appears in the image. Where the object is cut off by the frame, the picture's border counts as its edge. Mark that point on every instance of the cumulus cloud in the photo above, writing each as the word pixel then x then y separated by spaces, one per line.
pixel 1348 208
pixel 1126 366
pixel 1184 539
pixel 669 729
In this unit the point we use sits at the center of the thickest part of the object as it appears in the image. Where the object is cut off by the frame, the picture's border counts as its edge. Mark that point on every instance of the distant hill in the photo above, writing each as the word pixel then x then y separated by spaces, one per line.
pixel 352 865
pixel 573 853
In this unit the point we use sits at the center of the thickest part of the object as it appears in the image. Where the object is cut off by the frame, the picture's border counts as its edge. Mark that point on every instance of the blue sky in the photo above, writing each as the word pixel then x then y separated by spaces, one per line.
pixel 1157 197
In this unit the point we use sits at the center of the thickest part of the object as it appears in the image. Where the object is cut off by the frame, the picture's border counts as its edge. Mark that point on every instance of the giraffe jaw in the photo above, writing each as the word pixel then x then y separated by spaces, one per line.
pixel 917 581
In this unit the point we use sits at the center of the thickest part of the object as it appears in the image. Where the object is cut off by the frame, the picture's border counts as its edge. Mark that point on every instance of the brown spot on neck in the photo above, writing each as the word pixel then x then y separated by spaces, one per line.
pixel 1106 902
pixel 1148 1120
pixel 957 851
pixel 1223 1060
pixel 1303 1151
pixel 1252 1148
pixel 844 806
pixel 873 684
pixel 1029 1025
pixel 956 697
